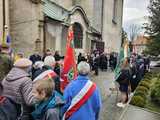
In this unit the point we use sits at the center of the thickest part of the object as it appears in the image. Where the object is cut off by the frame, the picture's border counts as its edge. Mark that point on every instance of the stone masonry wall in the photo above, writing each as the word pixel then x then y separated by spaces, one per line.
pixel 24 21
pixel 111 31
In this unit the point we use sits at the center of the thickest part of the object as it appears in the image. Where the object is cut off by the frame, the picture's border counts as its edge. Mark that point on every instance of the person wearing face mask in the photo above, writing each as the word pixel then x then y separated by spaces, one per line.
pixel 17 88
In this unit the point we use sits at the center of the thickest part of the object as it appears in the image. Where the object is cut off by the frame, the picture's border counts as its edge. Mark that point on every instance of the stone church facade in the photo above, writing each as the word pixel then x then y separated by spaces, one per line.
pixel 37 25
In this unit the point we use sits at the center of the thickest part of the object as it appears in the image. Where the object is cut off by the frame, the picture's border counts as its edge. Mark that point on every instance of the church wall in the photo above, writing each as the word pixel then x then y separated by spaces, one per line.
pixel 111 31
pixel 25 25
pixel 88 6
pixel 54 36
pixel 97 15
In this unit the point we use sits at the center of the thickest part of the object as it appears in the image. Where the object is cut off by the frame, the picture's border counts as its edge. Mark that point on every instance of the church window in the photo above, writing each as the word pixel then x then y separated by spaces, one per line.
pixel 78 35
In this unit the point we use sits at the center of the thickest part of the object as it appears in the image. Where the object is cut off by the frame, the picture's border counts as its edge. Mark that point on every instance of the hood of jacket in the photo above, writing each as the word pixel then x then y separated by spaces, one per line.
pixel 15 74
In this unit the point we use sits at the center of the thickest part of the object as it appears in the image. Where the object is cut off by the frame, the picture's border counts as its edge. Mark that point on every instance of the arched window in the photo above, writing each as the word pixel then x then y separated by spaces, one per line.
pixel 78 35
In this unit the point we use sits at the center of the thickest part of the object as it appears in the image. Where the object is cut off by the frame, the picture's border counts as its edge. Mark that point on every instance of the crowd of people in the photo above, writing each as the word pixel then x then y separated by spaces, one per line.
pixel 31 91
pixel 132 71
pixel 31 87
pixel 102 61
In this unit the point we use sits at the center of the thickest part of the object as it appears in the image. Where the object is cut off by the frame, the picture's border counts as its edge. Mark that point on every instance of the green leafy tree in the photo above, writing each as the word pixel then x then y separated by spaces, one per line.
pixel 153 28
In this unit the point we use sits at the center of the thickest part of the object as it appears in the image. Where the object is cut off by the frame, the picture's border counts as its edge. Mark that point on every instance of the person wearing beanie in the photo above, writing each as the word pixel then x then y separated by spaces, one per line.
pixel 17 88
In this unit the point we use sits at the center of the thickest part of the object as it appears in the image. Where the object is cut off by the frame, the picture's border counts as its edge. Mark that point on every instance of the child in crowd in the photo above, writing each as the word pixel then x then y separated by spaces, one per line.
pixel 50 101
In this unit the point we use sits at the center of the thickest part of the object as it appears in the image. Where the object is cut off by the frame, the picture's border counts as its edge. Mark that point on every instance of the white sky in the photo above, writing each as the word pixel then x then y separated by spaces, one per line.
pixel 134 12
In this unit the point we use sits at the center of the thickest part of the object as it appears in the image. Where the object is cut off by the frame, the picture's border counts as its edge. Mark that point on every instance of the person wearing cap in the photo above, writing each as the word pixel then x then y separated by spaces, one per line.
pixel 17 88
pixel 82 97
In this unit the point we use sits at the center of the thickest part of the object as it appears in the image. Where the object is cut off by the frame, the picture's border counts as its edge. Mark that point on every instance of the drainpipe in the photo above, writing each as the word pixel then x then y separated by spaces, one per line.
pixel 4 19
pixel 102 16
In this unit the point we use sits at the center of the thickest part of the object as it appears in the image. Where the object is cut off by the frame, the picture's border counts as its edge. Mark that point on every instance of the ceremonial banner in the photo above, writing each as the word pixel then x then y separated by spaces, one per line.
pixel 69 71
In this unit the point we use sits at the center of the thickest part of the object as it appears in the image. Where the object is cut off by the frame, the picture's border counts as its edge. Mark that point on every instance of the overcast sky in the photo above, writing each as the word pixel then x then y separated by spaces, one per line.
pixel 134 12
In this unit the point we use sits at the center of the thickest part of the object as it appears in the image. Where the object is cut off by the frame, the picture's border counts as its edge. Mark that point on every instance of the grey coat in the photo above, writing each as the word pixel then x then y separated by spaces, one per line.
pixel 18 87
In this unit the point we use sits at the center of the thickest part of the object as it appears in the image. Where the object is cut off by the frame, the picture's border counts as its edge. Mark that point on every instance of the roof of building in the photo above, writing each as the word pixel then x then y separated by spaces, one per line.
pixel 54 11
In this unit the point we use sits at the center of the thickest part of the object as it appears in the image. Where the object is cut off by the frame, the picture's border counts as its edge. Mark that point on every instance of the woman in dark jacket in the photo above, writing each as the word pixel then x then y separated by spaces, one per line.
pixel 124 82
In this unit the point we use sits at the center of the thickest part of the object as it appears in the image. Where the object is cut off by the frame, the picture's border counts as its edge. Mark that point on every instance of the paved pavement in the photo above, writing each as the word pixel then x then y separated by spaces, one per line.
pixel 136 113
pixel 109 109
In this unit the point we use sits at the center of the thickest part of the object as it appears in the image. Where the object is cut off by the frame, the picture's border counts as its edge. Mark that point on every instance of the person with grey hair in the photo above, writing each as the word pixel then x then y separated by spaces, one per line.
pixel 78 90
pixel 83 68
pixel 47 68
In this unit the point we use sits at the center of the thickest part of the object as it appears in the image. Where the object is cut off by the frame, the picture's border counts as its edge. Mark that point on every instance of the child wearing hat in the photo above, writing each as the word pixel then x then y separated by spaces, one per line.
pixel 49 101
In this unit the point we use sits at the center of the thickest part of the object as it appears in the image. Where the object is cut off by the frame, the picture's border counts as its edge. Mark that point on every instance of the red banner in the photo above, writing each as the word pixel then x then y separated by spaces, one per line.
pixel 69 69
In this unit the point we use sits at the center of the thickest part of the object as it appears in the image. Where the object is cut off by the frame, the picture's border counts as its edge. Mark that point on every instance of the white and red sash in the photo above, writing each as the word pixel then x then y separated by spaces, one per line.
pixel 47 73
pixel 80 99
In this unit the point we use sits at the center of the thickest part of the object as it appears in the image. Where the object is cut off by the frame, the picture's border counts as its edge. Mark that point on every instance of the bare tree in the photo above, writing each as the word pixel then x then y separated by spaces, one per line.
pixel 134 31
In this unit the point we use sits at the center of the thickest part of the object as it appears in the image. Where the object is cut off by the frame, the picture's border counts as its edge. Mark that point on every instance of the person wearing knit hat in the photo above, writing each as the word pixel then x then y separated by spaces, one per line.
pixel 23 63
pixel 17 87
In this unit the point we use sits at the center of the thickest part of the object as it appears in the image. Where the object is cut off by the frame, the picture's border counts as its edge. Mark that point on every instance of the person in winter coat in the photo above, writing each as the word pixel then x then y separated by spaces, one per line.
pixel 124 82
pixel 38 67
pixel 6 62
pixel 90 109
pixel 35 57
pixel 103 62
pixel 44 68
pixel 57 56
pixel 17 88
pixel 49 101
pixel 47 53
